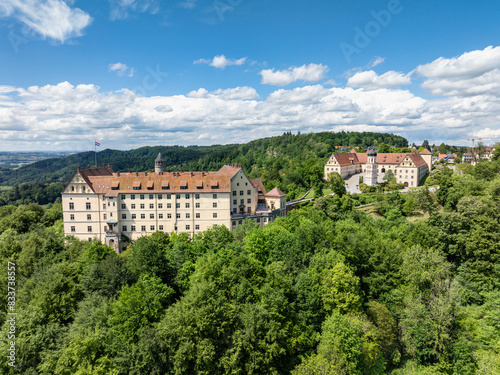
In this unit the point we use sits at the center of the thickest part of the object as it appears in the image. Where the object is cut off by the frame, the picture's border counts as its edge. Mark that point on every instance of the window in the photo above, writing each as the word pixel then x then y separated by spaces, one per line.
pixel 178 216
pixel 214 205
pixel 143 228
pixel 88 205
pixel 124 206
pixel 235 210
pixel 197 215
pixel 136 188
pixel 249 201
pixel 72 217
pixel 133 216
pixel 71 206
pixel 241 192
pixel 177 205
pixel 132 206
pixel 188 215
pixel 83 189
pixel 141 196
pixel 187 205
pixel 151 216
pixel 160 196
pixel 124 216
pixel 177 196
pixel 160 216
pixel 122 196
pixel 188 227
pixel 151 206
pixel 73 229
pixel 258 220
pixel 160 227
pixel 132 196
pixel 169 196
pixel 235 202
pixel 160 205
pixel 124 228
pixel 169 216
pixel 143 216
pixel 234 193
pixel 89 228
pixel 152 227
pixel 151 196
pixel 104 206
pixel 175 228
pixel 132 228
pixel 114 203
pixel 197 205
pixel 242 201
pixel 239 222
pixel 237 184
pixel 187 196
pixel 215 215
pixel 214 196
pixel 72 188
pixel 142 206
pixel 169 205
pixel 197 196
pixel 197 227
pixel 234 223
pixel 249 192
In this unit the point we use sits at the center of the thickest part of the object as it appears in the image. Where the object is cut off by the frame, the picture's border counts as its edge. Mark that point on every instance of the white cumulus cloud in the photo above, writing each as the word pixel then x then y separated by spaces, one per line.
pixel 220 62
pixel 53 19
pixel 306 73
pixel 121 69
pixel 371 80
pixel 472 73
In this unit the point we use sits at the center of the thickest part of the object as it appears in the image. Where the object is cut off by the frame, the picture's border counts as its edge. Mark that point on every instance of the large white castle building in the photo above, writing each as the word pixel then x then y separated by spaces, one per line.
pixel 118 207
pixel 409 168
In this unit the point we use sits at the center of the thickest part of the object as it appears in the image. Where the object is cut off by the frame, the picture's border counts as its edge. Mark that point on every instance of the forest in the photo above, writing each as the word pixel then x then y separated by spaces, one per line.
pixel 293 162
pixel 410 288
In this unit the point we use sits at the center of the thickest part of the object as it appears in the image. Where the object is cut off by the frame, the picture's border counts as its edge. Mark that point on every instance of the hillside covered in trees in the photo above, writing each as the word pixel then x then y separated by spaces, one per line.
pixel 326 290
pixel 292 162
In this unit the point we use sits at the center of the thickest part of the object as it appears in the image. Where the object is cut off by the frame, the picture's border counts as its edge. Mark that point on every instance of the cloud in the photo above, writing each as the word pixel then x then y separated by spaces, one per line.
pixel 376 61
pixel 472 73
pixel 121 69
pixel 307 73
pixel 371 80
pixel 121 9
pixel 188 4
pixel 221 61
pixel 237 93
pixel 53 19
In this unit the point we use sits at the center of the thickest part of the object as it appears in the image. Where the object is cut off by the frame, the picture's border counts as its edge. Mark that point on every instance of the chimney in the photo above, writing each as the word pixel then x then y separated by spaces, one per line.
pixel 192 174
pixel 118 174
pixel 137 173
pixel 129 171
pixel 145 173
pixel 168 170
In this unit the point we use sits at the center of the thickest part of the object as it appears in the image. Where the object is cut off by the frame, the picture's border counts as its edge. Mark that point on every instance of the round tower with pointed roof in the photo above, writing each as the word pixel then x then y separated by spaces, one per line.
pixel 159 163
pixel 371 168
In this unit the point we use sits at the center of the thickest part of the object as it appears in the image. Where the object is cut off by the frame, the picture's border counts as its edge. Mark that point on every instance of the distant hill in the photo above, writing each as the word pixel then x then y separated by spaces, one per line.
pixel 293 162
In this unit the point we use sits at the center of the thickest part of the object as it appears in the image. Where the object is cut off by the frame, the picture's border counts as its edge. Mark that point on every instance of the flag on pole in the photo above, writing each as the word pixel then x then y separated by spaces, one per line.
pixel 97 144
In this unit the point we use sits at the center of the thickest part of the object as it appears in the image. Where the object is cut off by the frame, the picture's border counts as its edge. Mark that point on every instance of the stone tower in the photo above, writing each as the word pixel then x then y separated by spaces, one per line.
pixel 371 168
pixel 159 163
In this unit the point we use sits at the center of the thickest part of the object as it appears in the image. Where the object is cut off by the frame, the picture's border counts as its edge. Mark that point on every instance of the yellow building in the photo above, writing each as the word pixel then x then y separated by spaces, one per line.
pixel 117 207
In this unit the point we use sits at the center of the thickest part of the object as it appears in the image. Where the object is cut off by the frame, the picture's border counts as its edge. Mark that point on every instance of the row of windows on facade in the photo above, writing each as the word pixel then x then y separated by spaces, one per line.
pixel 151 216
pixel 143 228
pixel 160 205
pixel 400 171
pixel 178 196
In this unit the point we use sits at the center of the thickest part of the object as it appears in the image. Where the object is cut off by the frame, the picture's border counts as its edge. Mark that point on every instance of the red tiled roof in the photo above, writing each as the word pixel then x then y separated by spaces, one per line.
pixel 361 158
pixel 425 152
pixel 417 160
pixel 166 182
pixel 275 193
pixel 257 182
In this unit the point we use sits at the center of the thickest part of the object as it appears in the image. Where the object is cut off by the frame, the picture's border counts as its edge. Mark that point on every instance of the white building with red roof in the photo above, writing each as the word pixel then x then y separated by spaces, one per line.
pixel 117 207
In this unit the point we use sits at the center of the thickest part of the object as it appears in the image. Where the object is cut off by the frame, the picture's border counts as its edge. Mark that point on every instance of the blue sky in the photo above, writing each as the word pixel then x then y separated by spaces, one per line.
pixel 131 73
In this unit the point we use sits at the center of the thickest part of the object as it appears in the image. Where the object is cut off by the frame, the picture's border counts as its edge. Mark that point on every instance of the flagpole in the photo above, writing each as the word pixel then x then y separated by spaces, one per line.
pixel 95 152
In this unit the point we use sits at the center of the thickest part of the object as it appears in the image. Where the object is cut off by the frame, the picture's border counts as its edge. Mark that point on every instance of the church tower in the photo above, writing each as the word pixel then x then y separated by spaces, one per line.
pixel 159 163
pixel 371 168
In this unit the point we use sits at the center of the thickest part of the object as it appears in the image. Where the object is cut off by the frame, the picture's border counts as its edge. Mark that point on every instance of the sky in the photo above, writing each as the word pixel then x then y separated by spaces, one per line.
pixel 132 73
